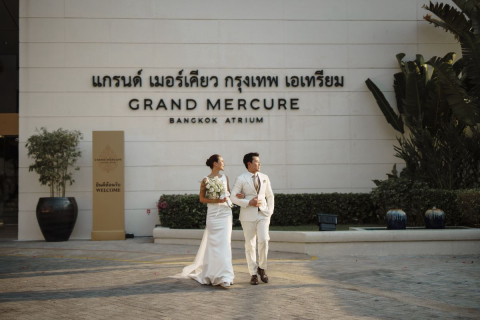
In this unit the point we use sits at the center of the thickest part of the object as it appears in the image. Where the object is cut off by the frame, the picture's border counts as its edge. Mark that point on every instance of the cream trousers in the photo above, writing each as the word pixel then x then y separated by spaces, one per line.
pixel 252 230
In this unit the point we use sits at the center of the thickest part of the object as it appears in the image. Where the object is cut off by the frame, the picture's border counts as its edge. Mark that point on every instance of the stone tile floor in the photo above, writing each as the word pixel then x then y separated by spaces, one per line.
pixel 130 280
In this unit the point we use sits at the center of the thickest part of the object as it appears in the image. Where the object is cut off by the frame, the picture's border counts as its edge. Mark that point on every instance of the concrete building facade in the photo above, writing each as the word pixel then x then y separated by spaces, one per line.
pixel 311 139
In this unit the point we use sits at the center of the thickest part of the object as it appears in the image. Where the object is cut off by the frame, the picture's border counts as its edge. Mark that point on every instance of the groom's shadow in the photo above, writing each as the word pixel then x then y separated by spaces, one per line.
pixel 155 287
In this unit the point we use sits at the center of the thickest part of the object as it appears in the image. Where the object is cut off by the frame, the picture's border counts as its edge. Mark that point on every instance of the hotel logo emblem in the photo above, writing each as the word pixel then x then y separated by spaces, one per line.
pixel 107 160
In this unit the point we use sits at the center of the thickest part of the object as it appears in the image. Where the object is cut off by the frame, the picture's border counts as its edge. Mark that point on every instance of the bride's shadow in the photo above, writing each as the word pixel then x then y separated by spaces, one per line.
pixel 155 287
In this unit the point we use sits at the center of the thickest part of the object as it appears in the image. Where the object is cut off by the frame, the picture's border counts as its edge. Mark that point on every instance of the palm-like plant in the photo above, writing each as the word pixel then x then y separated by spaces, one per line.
pixel 419 96
pixel 439 101
pixel 462 93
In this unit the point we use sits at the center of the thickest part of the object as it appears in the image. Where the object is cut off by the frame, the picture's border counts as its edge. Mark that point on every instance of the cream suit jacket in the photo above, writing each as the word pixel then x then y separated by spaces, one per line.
pixel 244 184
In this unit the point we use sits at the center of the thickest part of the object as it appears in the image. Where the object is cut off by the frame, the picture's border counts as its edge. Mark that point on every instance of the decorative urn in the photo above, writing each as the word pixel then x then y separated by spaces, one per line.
pixel 434 219
pixel 396 219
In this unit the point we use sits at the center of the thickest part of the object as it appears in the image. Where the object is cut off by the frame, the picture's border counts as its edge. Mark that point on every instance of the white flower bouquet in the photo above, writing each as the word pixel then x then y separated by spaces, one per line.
pixel 216 190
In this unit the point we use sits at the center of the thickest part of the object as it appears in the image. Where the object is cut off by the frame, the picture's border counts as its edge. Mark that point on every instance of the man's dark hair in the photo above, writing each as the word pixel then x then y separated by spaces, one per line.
pixel 249 158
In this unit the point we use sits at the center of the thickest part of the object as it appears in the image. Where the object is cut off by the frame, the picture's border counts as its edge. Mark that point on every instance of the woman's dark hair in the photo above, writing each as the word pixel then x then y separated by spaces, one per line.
pixel 212 160
pixel 249 158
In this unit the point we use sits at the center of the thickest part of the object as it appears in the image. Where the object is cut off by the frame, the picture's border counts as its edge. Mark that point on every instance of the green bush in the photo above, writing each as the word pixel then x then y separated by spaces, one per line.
pixel 298 209
pixel 186 211
pixel 469 206
pixel 424 199
pixel 462 207
pixel 398 193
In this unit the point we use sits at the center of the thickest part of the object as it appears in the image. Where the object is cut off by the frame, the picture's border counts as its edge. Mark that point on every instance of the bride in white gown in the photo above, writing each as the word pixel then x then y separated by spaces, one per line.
pixel 213 263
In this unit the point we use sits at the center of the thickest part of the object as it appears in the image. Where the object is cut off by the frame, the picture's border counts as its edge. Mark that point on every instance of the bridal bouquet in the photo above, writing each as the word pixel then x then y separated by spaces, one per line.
pixel 216 190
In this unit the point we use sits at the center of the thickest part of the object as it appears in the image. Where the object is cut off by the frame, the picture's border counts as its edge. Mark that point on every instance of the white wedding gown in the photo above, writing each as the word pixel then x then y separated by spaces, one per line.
pixel 213 263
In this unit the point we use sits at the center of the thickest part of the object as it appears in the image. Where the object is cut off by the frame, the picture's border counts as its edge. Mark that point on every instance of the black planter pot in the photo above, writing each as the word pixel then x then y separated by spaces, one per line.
pixel 435 219
pixel 396 219
pixel 56 217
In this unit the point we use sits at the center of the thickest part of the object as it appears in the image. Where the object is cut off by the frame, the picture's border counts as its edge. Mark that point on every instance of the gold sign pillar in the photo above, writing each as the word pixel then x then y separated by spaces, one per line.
pixel 108 186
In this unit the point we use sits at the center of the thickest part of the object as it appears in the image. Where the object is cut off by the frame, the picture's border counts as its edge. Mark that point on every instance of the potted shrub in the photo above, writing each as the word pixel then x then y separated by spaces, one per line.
pixel 55 154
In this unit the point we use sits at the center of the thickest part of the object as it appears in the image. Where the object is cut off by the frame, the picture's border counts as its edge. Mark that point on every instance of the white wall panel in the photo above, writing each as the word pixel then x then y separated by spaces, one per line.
pixel 186 56
pixel 115 9
pixel 321 102
pixel 187 9
pixel 83 226
pixel 42 30
pixel 132 31
pixel 250 9
pixel 251 56
pixel 132 9
pixel 87 55
pixel 382 32
pixel 316 9
pixel 363 174
pixel 373 151
pixel 132 55
pixel 248 31
pixel 372 127
pixel 42 55
pixel 335 176
pixel 383 78
pixel 139 129
pixel 57 104
pixel 378 56
pixel 140 223
pixel 382 9
pixel 28 228
pixel 40 80
pixel 143 154
pixel 318 152
pixel 316 56
pixel 318 128
pixel 363 103
pixel 41 8
pixel 88 30
pixel 143 200
pixel 186 31
pixel 316 32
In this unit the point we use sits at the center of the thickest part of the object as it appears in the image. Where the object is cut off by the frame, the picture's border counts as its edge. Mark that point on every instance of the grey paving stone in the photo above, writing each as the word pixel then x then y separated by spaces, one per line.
pixel 130 280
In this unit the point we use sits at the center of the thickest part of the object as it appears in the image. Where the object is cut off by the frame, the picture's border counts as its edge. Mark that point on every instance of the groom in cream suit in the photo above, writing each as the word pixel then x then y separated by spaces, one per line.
pixel 256 205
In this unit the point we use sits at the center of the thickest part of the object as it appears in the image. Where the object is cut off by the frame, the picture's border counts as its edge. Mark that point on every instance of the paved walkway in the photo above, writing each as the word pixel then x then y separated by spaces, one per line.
pixel 129 280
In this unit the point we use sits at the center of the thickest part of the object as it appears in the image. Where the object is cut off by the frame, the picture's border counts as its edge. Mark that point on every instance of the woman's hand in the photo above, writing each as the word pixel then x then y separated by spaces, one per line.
pixel 240 196
pixel 222 200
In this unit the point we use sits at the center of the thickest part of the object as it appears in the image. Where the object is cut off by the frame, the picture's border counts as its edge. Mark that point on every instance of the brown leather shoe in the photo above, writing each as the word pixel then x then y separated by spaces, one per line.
pixel 254 280
pixel 262 274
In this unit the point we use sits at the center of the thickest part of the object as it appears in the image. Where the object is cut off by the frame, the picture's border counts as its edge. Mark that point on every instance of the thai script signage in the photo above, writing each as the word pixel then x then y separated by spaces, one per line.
pixel 194 80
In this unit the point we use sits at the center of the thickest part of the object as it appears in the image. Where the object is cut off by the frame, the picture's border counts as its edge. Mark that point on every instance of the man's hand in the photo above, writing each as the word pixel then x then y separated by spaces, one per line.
pixel 255 202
